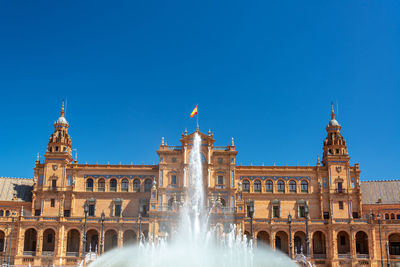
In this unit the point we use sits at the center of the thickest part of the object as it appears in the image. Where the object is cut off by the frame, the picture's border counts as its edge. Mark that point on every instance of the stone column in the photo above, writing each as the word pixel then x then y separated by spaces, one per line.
pixel 39 242
pixel 120 238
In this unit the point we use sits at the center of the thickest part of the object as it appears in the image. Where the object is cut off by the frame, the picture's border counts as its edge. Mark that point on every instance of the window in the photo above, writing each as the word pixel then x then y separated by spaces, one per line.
pixel 37 212
pixel 292 186
pixel 340 186
pixel 174 160
pixel 92 208
pixel 117 210
pixel 89 184
pixel 173 179
pixel 1 213
pixel 40 179
pixel 54 184
pixel 326 215
pixel 398 216
pixel 275 210
pixel 257 186
pixel 355 215
pixel 325 182
pixel 52 202
pixel 392 216
pixel 69 180
pixel 113 185
pixel 302 211
pixel 341 205
pixel 353 182
pixel 136 185
pixel 220 160
pixel 147 185
pixel 386 216
pixel 220 179
pixel 101 187
pixel 125 185
pixel 246 186
pixel 269 186
pixel 304 186
pixel 7 213
pixel 67 213
pixel 281 186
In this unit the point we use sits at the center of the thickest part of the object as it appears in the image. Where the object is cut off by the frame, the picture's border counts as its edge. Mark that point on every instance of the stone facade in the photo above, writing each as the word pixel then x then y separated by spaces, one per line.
pixel 316 210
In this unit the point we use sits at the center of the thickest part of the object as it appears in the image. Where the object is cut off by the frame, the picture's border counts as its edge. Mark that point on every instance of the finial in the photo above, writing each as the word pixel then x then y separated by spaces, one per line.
pixel 318 162
pixel 209 132
pixel 162 141
pixel 332 112
pixel 185 131
pixel 62 108
pixel 37 157
pixel 232 142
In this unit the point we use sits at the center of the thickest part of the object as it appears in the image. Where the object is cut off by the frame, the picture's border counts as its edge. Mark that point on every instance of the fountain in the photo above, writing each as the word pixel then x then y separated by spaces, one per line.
pixel 195 242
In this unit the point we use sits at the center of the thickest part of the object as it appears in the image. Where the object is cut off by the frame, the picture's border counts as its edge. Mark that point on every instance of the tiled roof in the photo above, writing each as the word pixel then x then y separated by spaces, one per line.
pixel 387 191
pixel 21 188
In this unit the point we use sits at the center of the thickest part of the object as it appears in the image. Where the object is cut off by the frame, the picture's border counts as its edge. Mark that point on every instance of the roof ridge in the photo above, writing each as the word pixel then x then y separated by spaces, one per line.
pixel 387 180
pixel 5 177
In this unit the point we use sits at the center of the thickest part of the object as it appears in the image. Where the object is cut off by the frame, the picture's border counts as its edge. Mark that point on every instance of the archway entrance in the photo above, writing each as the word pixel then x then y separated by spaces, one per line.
pixel 73 240
pixel 281 241
pixel 300 243
pixel 49 242
pixel 92 241
pixel 110 240
pixel 319 245
pixel 362 243
pixel 129 237
pixel 394 244
pixel 262 239
pixel 30 241
pixel 343 243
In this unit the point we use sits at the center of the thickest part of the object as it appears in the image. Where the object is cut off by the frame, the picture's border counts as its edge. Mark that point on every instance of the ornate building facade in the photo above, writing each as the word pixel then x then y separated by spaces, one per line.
pixel 317 210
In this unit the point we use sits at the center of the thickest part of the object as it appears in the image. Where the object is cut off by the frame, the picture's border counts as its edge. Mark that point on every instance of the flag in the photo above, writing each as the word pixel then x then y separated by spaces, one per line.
pixel 194 112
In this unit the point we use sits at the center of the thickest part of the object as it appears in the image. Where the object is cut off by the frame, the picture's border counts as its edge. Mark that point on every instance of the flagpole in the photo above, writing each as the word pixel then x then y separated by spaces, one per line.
pixel 197 118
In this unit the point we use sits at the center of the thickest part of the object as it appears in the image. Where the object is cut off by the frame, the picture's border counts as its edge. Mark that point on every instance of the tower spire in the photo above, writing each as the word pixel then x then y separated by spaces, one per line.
pixel 332 112
pixel 62 109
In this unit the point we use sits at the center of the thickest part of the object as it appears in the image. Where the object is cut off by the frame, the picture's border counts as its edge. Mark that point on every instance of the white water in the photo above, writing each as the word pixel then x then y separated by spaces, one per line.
pixel 195 243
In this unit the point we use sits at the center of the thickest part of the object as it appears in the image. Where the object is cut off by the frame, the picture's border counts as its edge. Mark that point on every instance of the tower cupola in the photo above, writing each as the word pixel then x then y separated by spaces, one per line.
pixel 334 143
pixel 60 141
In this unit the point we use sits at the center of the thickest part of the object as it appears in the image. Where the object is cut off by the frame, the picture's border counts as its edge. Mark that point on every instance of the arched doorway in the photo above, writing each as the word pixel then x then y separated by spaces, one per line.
pixel 92 241
pixel 262 239
pixel 300 243
pixel 362 243
pixel 129 237
pixel 319 245
pixel 73 240
pixel 394 244
pixel 110 240
pixel 2 238
pixel 30 241
pixel 281 242
pixel 343 243
pixel 49 241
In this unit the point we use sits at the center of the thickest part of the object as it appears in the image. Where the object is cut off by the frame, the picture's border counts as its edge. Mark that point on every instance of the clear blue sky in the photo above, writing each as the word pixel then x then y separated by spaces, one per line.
pixel 263 72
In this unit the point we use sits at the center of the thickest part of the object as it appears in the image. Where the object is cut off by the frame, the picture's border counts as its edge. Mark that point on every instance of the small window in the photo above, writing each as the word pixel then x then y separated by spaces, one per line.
pixel 56 148
pixel 341 205
pixel 292 186
pixel 89 184
pixel 220 180
pixel 220 160
pixel 117 210
pixel 269 186
pixel 398 216
pixel 386 216
pixel 37 212
pixel 136 185
pixel 326 215
pixel 1 213
pixel 101 185
pixel 52 202
pixel 392 216
pixel 275 210
pixel 174 160
pixel 173 179
pixel 161 159
pixel 340 186
pixel 353 182
pixel 125 185
pixel 54 184
pixel 257 186
pixel 281 186
pixel 337 151
pixel 302 212
pixel 355 215
pixel 92 208
pixel 246 186
pixel 113 185
pixel 304 186
pixel 325 182
pixel 147 185
pixel 67 213
pixel 7 213
pixel 69 180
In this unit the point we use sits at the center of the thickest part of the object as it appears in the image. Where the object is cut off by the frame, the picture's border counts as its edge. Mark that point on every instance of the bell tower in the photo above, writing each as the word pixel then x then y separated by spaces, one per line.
pixel 334 144
pixel 60 142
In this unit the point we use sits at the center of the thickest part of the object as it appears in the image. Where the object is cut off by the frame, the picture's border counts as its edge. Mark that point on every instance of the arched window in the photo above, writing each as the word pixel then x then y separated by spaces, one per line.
pixel 392 216
pixel 246 186
pixel 136 185
pixel 89 184
pixel 257 186
pixel 147 185
pixel 281 186
pixel 7 213
pixel 292 186
pixel 113 185
pixel 125 185
pixel 269 186
pixel 101 185
pixel 1 213
pixel 304 186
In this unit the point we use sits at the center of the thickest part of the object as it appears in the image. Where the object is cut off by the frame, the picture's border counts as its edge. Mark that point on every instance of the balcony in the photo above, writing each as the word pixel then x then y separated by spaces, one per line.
pixel 48 253
pixel 320 256
pixel 72 254
pixel 344 256
pixel 340 191
pixel 219 186
pixel 29 253
pixel 362 256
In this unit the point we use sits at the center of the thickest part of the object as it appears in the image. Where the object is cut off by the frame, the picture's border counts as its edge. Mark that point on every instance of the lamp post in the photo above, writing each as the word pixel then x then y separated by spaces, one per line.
pixel 289 219
pixel 103 217
pixel 387 254
pixel 85 210
pixel 4 257
pixel 140 222
pixel 380 237
pixel 307 238
pixel 251 215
